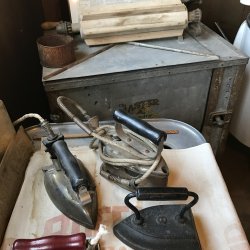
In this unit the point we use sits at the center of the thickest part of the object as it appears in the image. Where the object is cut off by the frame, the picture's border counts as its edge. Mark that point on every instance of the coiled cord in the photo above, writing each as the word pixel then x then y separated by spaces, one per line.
pixel 100 138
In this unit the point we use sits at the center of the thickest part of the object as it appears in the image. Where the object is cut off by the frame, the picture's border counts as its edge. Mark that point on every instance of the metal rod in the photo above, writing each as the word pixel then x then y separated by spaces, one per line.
pixel 171 132
pixel 132 207
pixel 77 62
pixel 189 205
pixel 221 31
pixel 169 49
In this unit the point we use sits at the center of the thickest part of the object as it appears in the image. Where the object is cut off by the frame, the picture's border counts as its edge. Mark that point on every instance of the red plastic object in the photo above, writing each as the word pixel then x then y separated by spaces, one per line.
pixel 56 242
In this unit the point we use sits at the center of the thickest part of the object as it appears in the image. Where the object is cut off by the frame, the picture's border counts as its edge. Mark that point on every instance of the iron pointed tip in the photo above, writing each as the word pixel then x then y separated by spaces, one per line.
pixel 92 226
pixel 90 221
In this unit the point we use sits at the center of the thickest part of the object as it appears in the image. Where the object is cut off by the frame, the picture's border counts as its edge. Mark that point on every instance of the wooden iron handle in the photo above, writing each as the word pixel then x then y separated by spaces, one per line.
pixel 62 242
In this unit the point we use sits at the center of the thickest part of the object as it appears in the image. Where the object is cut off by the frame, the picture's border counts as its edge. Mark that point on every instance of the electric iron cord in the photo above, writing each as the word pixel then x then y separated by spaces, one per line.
pixel 99 135
pixel 44 124
pixel 125 162
pixel 129 150
pixel 112 161
pixel 30 115
pixel 95 134
pixel 122 162
pixel 101 138
pixel 125 181
pixel 146 141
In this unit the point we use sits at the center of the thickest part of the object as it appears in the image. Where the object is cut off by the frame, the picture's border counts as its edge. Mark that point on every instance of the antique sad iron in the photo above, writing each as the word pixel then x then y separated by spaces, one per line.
pixel 169 227
pixel 131 156
pixel 68 183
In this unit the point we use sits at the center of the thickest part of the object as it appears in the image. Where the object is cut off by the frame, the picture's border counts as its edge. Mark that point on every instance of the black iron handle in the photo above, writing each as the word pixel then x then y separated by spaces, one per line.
pixel 139 126
pixel 191 1
pixel 161 194
pixel 59 149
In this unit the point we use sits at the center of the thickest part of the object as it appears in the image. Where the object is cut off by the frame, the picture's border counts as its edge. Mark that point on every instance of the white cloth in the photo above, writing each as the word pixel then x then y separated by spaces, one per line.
pixel 216 220
pixel 245 2
pixel 241 119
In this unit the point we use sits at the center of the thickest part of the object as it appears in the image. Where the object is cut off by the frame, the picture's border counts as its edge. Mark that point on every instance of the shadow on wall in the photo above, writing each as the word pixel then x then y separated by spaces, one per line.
pixel 229 14
pixel 20 74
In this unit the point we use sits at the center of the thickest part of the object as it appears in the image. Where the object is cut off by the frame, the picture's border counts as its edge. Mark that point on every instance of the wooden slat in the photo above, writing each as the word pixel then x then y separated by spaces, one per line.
pixel 129 38
pixel 107 11
pixel 171 19
pixel 12 169
pixel 99 8
pixel 7 131
pixel 116 31
pixel 141 20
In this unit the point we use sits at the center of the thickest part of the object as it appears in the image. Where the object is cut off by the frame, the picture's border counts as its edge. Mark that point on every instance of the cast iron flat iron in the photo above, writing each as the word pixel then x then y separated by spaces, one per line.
pixel 131 156
pixel 169 227
pixel 68 183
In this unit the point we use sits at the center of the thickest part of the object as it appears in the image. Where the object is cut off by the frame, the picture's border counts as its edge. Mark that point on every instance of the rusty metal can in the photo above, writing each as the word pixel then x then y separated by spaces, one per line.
pixel 55 51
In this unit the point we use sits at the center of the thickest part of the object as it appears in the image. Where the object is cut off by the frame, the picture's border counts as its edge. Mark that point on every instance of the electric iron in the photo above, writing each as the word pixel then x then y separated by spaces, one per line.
pixel 131 156
pixel 68 183
pixel 169 227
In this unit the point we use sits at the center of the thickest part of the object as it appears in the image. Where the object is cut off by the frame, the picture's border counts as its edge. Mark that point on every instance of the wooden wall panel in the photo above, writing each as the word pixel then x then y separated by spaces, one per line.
pixel 56 10
pixel 52 10
pixel 20 75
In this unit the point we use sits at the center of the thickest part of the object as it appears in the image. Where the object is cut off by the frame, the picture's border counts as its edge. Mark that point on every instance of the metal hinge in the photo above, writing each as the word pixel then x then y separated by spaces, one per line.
pixel 220 118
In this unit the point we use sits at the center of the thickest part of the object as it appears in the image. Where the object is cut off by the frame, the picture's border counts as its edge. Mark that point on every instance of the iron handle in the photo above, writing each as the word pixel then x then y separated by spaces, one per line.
pixel 59 150
pixel 139 127
pixel 162 194
pixel 191 1
pixel 63 242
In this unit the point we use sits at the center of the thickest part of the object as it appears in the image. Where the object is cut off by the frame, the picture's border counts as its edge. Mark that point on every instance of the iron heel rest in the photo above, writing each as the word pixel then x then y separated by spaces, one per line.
pixel 131 156
pixel 169 227
pixel 68 183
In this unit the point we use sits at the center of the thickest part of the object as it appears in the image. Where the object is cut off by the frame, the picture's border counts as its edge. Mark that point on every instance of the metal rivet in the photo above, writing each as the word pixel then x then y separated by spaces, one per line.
pixel 162 220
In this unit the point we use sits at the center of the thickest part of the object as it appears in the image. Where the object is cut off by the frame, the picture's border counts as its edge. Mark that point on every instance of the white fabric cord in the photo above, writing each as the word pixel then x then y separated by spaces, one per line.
pixel 27 116
pixel 102 231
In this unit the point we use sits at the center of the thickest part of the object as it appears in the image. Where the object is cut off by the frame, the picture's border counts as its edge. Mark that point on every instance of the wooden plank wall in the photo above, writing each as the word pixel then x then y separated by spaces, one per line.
pixel 56 10
pixel 228 13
